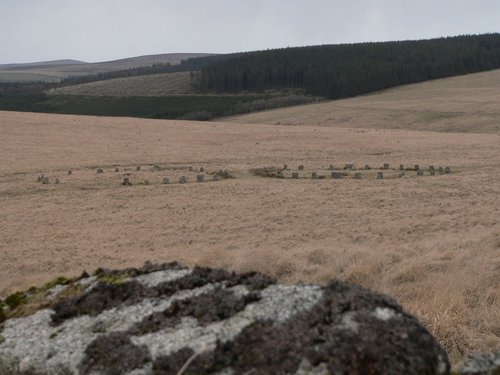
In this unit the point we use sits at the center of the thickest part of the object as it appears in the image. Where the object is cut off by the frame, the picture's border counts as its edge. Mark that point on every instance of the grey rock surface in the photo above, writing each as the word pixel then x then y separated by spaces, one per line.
pixel 481 364
pixel 160 319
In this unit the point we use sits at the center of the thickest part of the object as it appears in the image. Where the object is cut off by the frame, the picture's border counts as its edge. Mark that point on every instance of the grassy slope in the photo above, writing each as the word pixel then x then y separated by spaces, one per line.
pixel 460 104
pixel 65 70
pixel 150 85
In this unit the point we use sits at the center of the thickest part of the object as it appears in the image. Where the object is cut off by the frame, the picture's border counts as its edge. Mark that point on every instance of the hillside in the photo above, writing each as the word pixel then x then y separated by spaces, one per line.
pixel 50 72
pixel 460 104
pixel 146 85
pixel 347 70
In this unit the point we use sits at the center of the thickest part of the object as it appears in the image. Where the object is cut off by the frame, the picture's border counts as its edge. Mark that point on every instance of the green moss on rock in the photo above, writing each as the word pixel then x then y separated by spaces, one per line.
pixel 15 300
pixel 61 280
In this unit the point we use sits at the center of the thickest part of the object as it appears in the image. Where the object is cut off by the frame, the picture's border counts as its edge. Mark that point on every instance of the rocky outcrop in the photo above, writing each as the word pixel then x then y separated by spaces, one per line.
pixel 169 319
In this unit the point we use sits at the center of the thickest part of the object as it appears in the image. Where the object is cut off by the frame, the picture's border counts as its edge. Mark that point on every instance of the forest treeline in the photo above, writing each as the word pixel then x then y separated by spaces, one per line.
pixel 337 71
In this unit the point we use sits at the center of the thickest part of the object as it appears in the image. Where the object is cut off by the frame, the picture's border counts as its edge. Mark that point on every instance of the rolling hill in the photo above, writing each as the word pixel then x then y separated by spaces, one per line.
pixel 56 70
pixel 466 103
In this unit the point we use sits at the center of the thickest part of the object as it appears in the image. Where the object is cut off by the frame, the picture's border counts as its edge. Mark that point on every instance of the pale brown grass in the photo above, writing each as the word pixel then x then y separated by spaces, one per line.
pixel 458 104
pixel 430 242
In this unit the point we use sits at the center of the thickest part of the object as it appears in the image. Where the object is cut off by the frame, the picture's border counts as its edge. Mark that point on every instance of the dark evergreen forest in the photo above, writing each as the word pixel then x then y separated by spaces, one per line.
pixel 338 71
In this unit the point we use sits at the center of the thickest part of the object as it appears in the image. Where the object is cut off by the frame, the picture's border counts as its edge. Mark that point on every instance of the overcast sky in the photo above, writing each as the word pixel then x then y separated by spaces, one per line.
pixel 97 30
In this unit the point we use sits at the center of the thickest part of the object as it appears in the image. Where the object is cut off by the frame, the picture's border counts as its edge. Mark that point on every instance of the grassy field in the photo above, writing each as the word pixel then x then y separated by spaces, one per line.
pixel 147 85
pixel 460 104
pixel 431 242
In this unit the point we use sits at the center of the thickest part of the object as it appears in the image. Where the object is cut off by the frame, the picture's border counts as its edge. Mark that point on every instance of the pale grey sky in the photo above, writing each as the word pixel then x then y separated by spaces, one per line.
pixel 97 30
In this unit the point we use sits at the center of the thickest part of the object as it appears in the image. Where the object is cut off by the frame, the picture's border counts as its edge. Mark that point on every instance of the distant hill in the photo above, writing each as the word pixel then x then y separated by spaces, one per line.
pixel 44 64
pixel 56 70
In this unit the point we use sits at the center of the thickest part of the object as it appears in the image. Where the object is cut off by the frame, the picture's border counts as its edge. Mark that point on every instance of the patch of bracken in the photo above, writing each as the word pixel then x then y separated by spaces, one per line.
pixel 113 354
pixel 265 172
pixel 220 304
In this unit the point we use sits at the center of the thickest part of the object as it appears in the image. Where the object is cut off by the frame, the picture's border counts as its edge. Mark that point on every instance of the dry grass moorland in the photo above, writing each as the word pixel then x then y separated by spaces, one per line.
pixel 431 242
pixel 468 104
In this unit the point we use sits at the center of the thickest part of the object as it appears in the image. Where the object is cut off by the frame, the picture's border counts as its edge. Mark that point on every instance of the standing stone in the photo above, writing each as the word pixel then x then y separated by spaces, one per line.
pixel 200 178
pixel 295 175
pixel 358 176
pixel 202 169
pixel 301 167
pixel 447 170
pixel 100 170
pixel 401 167
pixel 417 167
pixel 190 169
pixel 146 182
pixel 165 181
pixel 45 180
pixel 70 172
pixel 41 178
pixel 183 180
pixel 117 169
pixel 285 167
pixel 138 168
pixel 126 181
pixel 336 175
pixel 386 166
pixel 420 172
pixel 367 167
pixel 314 175
pixel 380 176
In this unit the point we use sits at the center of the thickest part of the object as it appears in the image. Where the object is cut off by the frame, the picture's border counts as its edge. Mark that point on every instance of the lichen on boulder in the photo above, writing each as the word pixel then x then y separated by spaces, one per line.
pixel 160 319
